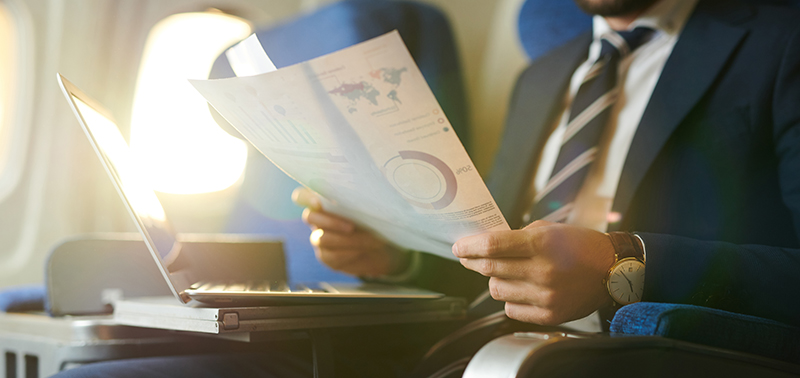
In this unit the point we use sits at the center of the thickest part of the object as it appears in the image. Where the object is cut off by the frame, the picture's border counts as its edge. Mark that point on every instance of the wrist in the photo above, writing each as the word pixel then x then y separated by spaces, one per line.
pixel 399 260
pixel 627 245
pixel 625 279
pixel 404 272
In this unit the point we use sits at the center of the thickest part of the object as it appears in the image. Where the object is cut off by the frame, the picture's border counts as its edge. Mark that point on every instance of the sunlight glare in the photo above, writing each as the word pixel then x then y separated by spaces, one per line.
pixel 125 168
pixel 172 131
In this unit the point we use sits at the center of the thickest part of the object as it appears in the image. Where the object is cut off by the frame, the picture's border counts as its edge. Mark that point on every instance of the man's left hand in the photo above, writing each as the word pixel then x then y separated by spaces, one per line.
pixel 547 273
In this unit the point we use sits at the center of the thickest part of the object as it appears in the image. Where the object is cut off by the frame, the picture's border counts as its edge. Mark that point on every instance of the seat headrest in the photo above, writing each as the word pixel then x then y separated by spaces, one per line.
pixel 547 24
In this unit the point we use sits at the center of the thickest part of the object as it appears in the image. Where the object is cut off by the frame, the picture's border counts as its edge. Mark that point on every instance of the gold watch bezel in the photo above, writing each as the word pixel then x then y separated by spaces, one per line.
pixel 607 280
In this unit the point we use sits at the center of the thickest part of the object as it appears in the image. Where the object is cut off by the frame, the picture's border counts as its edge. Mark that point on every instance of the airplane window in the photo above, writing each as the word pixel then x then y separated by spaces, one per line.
pixel 172 132
pixel 8 60
pixel 15 82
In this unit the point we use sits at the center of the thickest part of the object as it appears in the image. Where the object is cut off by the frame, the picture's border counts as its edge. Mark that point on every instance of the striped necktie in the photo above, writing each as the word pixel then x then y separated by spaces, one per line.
pixel 588 116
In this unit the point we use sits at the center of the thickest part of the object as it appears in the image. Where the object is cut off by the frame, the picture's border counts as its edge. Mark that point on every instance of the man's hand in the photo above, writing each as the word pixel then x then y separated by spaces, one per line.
pixel 341 245
pixel 547 273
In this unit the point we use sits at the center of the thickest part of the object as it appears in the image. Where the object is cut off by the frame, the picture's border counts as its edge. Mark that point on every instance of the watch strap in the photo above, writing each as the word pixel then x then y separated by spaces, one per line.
pixel 626 245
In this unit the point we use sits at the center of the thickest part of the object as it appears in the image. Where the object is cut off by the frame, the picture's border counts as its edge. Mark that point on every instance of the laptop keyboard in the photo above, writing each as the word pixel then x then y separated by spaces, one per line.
pixel 261 287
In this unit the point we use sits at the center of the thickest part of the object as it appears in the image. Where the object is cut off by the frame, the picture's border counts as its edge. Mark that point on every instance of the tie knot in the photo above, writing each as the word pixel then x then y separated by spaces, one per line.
pixel 624 42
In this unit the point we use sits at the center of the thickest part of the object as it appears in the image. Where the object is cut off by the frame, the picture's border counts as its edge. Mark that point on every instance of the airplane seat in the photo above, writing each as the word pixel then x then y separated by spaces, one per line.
pixel 545 25
pixel 710 327
pixel 647 339
pixel 264 205
pixel 22 298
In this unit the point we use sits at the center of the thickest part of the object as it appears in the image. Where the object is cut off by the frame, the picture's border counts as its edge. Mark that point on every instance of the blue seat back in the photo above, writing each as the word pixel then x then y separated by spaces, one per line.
pixel 546 24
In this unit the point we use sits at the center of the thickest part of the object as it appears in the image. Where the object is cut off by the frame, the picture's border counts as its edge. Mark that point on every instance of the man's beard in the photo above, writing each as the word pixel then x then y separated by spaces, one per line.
pixel 611 8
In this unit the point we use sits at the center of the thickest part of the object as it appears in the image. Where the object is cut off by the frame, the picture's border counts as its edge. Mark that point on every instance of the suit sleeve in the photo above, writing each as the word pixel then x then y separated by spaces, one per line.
pixel 756 280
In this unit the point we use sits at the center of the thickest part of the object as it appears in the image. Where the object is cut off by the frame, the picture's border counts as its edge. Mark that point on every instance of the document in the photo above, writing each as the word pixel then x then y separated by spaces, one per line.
pixel 248 58
pixel 361 128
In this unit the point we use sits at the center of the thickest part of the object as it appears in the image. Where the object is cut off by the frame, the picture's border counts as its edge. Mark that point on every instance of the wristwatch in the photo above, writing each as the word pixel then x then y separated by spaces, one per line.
pixel 625 281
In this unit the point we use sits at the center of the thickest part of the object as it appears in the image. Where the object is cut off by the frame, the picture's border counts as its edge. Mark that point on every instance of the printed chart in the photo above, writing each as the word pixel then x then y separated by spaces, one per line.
pixel 422 179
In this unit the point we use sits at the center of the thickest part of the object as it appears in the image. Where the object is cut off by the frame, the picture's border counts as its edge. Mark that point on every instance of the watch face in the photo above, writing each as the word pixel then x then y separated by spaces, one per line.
pixel 626 281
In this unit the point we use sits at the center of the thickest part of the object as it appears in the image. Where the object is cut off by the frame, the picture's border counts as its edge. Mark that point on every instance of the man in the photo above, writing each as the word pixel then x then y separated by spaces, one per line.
pixel 699 152
pixel 700 155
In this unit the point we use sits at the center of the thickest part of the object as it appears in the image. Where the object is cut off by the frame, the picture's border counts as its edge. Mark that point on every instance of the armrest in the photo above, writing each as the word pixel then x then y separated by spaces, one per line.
pixel 531 355
pixel 714 328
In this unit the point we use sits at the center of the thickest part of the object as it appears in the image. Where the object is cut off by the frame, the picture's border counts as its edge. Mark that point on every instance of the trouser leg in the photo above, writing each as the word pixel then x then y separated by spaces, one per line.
pixel 269 364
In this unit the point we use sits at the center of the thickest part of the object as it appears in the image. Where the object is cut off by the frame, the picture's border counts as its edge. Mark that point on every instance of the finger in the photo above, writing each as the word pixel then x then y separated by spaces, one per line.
pixel 348 261
pixel 512 243
pixel 327 221
pixel 305 197
pixel 328 239
pixel 358 262
pixel 531 314
pixel 336 258
pixel 508 268
pixel 363 268
pixel 516 291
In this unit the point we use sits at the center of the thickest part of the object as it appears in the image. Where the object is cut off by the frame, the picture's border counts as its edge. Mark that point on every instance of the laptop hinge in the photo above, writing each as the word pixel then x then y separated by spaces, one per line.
pixel 230 320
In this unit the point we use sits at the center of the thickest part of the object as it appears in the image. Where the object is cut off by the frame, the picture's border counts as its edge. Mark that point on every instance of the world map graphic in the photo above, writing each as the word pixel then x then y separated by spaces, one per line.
pixel 382 79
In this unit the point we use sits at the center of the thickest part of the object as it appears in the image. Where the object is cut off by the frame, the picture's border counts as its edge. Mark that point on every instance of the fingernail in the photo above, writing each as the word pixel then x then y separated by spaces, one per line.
pixel 297 196
pixel 314 203
pixel 315 236
pixel 455 250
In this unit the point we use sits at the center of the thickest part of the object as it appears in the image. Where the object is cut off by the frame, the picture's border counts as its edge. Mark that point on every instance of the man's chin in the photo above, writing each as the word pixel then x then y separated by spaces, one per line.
pixel 613 8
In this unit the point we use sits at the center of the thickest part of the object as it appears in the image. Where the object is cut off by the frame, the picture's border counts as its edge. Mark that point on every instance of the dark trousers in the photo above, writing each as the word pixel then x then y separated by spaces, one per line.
pixel 361 352
pixel 370 351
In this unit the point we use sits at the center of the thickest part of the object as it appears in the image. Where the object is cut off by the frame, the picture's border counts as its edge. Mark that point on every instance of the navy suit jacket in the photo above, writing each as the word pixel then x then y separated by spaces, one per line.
pixel 712 178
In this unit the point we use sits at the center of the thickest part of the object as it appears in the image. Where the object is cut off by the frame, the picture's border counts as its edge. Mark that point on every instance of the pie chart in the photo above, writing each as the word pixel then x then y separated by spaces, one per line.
pixel 422 179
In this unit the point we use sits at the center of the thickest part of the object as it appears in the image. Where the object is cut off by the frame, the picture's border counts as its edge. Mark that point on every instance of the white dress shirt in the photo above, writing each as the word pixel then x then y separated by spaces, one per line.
pixel 638 73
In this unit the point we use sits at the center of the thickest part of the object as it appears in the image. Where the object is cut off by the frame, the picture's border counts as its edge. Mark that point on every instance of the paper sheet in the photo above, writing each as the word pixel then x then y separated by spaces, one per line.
pixel 361 127
pixel 248 58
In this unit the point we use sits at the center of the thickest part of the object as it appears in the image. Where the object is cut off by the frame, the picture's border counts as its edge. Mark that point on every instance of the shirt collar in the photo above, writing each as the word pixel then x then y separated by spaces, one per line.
pixel 667 16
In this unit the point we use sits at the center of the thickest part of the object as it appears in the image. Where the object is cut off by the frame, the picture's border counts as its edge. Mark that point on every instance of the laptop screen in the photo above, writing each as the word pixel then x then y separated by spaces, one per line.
pixel 131 183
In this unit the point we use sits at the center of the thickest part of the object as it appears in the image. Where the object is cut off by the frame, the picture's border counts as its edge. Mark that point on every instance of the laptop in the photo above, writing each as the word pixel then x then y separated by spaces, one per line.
pixel 151 220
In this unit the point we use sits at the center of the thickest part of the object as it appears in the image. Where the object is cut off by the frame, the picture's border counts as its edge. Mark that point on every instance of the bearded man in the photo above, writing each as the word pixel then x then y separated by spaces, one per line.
pixel 653 159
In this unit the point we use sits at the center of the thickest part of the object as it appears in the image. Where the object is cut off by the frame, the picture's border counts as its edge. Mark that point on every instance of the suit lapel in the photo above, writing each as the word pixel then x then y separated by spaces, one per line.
pixel 534 108
pixel 696 60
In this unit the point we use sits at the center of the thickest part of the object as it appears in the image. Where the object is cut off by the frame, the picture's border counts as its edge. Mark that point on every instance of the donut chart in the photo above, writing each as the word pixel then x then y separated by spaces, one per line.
pixel 422 179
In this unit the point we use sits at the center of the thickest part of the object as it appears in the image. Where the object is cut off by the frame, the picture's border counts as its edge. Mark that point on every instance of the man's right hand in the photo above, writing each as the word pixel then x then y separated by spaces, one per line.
pixel 343 246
